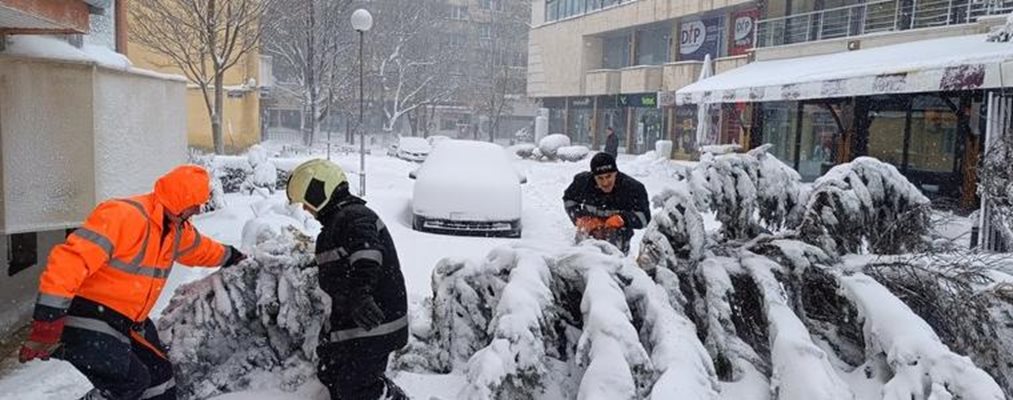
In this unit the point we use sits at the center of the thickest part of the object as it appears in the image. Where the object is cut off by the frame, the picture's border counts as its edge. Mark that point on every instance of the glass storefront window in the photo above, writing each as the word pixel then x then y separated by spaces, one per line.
pixel 779 119
pixel 819 133
pixel 684 129
pixel 933 143
pixel 888 116
pixel 580 126
pixel 616 119
pixel 556 116
pixel 648 124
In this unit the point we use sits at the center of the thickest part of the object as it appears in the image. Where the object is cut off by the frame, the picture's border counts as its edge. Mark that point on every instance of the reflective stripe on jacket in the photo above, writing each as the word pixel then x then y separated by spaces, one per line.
pixel 121 257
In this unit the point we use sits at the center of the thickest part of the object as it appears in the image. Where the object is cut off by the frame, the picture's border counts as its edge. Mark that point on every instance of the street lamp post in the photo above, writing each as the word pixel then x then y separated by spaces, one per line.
pixel 362 21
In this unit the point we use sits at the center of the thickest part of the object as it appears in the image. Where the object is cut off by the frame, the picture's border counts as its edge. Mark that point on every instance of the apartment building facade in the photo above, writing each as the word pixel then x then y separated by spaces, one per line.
pixel 827 81
pixel 599 64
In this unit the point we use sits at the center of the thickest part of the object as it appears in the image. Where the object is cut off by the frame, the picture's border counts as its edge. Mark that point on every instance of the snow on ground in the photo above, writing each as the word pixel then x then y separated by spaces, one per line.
pixel 389 191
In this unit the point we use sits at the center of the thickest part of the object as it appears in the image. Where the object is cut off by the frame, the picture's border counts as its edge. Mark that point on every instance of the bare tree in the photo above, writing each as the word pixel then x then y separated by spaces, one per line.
pixel 311 43
pixel 496 72
pixel 204 39
pixel 409 65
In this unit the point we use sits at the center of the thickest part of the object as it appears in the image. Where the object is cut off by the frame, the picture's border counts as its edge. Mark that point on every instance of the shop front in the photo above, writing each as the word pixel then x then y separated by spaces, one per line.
pixel 646 124
pixel 924 120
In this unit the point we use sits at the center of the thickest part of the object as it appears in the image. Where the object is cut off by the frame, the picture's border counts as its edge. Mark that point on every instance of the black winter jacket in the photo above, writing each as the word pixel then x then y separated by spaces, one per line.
pixel 356 257
pixel 628 199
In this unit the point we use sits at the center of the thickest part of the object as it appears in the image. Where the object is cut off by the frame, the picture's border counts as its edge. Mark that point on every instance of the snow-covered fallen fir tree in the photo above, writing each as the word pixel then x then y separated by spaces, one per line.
pixel 257 323
pixel 790 299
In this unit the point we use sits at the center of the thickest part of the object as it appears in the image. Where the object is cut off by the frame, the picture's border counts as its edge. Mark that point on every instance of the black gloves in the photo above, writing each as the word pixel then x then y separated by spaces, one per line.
pixel 366 314
pixel 235 256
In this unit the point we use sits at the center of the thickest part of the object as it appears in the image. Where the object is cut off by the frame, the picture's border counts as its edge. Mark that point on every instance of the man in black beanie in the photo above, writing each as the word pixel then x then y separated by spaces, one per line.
pixel 606 204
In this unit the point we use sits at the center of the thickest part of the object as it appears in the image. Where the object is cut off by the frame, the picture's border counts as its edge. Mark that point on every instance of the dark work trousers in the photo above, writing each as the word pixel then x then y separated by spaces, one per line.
pixel 356 376
pixel 122 365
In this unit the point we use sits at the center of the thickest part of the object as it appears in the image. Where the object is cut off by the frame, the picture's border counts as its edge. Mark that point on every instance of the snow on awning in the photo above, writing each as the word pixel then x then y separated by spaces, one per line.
pixel 955 63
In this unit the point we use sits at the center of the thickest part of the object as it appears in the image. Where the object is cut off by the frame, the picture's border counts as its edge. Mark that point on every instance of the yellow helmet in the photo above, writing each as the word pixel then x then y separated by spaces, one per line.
pixel 312 183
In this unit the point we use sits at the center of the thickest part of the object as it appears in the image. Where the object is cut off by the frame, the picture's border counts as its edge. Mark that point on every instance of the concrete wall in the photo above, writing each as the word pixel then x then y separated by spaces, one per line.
pixel 642 78
pixel 141 125
pixel 603 81
pixel 677 75
pixel 559 55
pixel 46 121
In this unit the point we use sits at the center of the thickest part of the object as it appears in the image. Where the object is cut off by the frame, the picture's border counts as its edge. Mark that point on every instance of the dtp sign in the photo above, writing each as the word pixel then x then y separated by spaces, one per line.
pixel 691 36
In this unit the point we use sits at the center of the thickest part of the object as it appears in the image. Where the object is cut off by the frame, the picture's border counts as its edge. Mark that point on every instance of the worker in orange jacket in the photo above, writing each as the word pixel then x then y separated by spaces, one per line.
pixel 100 285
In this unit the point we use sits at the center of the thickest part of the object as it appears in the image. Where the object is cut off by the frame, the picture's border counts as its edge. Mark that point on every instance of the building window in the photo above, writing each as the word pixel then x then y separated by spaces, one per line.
pixel 484 31
pixel 490 4
pixel 22 252
pixel 459 13
pixel 653 44
pixel 551 10
pixel 617 52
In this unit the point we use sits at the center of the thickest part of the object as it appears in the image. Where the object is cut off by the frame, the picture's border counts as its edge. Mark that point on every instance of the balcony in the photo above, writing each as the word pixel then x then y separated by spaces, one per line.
pixel 680 74
pixel 641 78
pixel 602 81
pixel 874 17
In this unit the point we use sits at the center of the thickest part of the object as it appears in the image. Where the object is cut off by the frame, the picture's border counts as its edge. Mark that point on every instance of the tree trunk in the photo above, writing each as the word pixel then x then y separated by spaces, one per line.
pixel 216 115
pixel 311 77
pixel 349 134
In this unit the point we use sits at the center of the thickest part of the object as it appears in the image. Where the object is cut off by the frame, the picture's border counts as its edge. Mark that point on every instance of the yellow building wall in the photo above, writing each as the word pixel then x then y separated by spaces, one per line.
pixel 241 119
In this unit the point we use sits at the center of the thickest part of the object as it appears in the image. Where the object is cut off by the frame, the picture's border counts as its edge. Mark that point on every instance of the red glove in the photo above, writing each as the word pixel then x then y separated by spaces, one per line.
pixel 589 224
pixel 42 341
pixel 615 222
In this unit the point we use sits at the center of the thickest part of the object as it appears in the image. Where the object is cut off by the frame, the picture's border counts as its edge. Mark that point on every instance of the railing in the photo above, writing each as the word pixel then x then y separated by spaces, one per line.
pixel 872 17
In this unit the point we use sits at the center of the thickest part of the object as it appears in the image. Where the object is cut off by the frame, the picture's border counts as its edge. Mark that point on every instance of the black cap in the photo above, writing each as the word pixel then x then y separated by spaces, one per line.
pixel 603 163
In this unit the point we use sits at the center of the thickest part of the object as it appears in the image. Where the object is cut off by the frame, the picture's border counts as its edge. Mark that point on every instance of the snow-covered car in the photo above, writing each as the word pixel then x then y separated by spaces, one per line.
pixel 467 188
pixel 413 148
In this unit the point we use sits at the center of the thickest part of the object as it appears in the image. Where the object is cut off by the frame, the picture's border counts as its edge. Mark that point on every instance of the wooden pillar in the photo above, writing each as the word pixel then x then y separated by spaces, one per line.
pixel 972 148
pixel 744 115
pixel 121 26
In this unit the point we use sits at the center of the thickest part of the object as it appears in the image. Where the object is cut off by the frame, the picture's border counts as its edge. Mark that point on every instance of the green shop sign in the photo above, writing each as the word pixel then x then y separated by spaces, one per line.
pixel 640 100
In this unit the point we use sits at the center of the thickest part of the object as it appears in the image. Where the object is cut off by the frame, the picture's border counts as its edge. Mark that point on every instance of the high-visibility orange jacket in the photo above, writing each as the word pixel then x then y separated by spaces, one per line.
pixel 122 255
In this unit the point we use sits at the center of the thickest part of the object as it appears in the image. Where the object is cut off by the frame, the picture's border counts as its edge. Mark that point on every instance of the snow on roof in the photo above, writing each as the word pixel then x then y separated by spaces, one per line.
pixel 51 48
pixel 902 68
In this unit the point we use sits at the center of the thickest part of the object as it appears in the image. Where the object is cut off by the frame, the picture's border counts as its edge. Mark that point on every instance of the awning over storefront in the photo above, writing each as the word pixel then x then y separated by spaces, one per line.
pixel 948 64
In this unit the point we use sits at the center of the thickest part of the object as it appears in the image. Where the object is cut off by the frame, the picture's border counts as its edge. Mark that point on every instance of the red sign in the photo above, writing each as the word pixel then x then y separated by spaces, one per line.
pixel 742 31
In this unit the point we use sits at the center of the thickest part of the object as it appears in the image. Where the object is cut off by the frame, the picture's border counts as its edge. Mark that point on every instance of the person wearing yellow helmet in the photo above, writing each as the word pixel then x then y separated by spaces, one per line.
pixel 359 269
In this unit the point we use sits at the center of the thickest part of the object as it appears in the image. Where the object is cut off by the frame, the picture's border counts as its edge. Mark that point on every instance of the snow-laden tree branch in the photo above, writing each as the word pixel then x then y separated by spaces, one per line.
pixel 261 316
pixel 513 364
pixel 750 192
pixel 866 206
pixel 923 368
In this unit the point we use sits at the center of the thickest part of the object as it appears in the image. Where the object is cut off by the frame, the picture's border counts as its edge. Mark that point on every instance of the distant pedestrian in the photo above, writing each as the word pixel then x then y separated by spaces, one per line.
pixel 606 204
pixel 611 143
